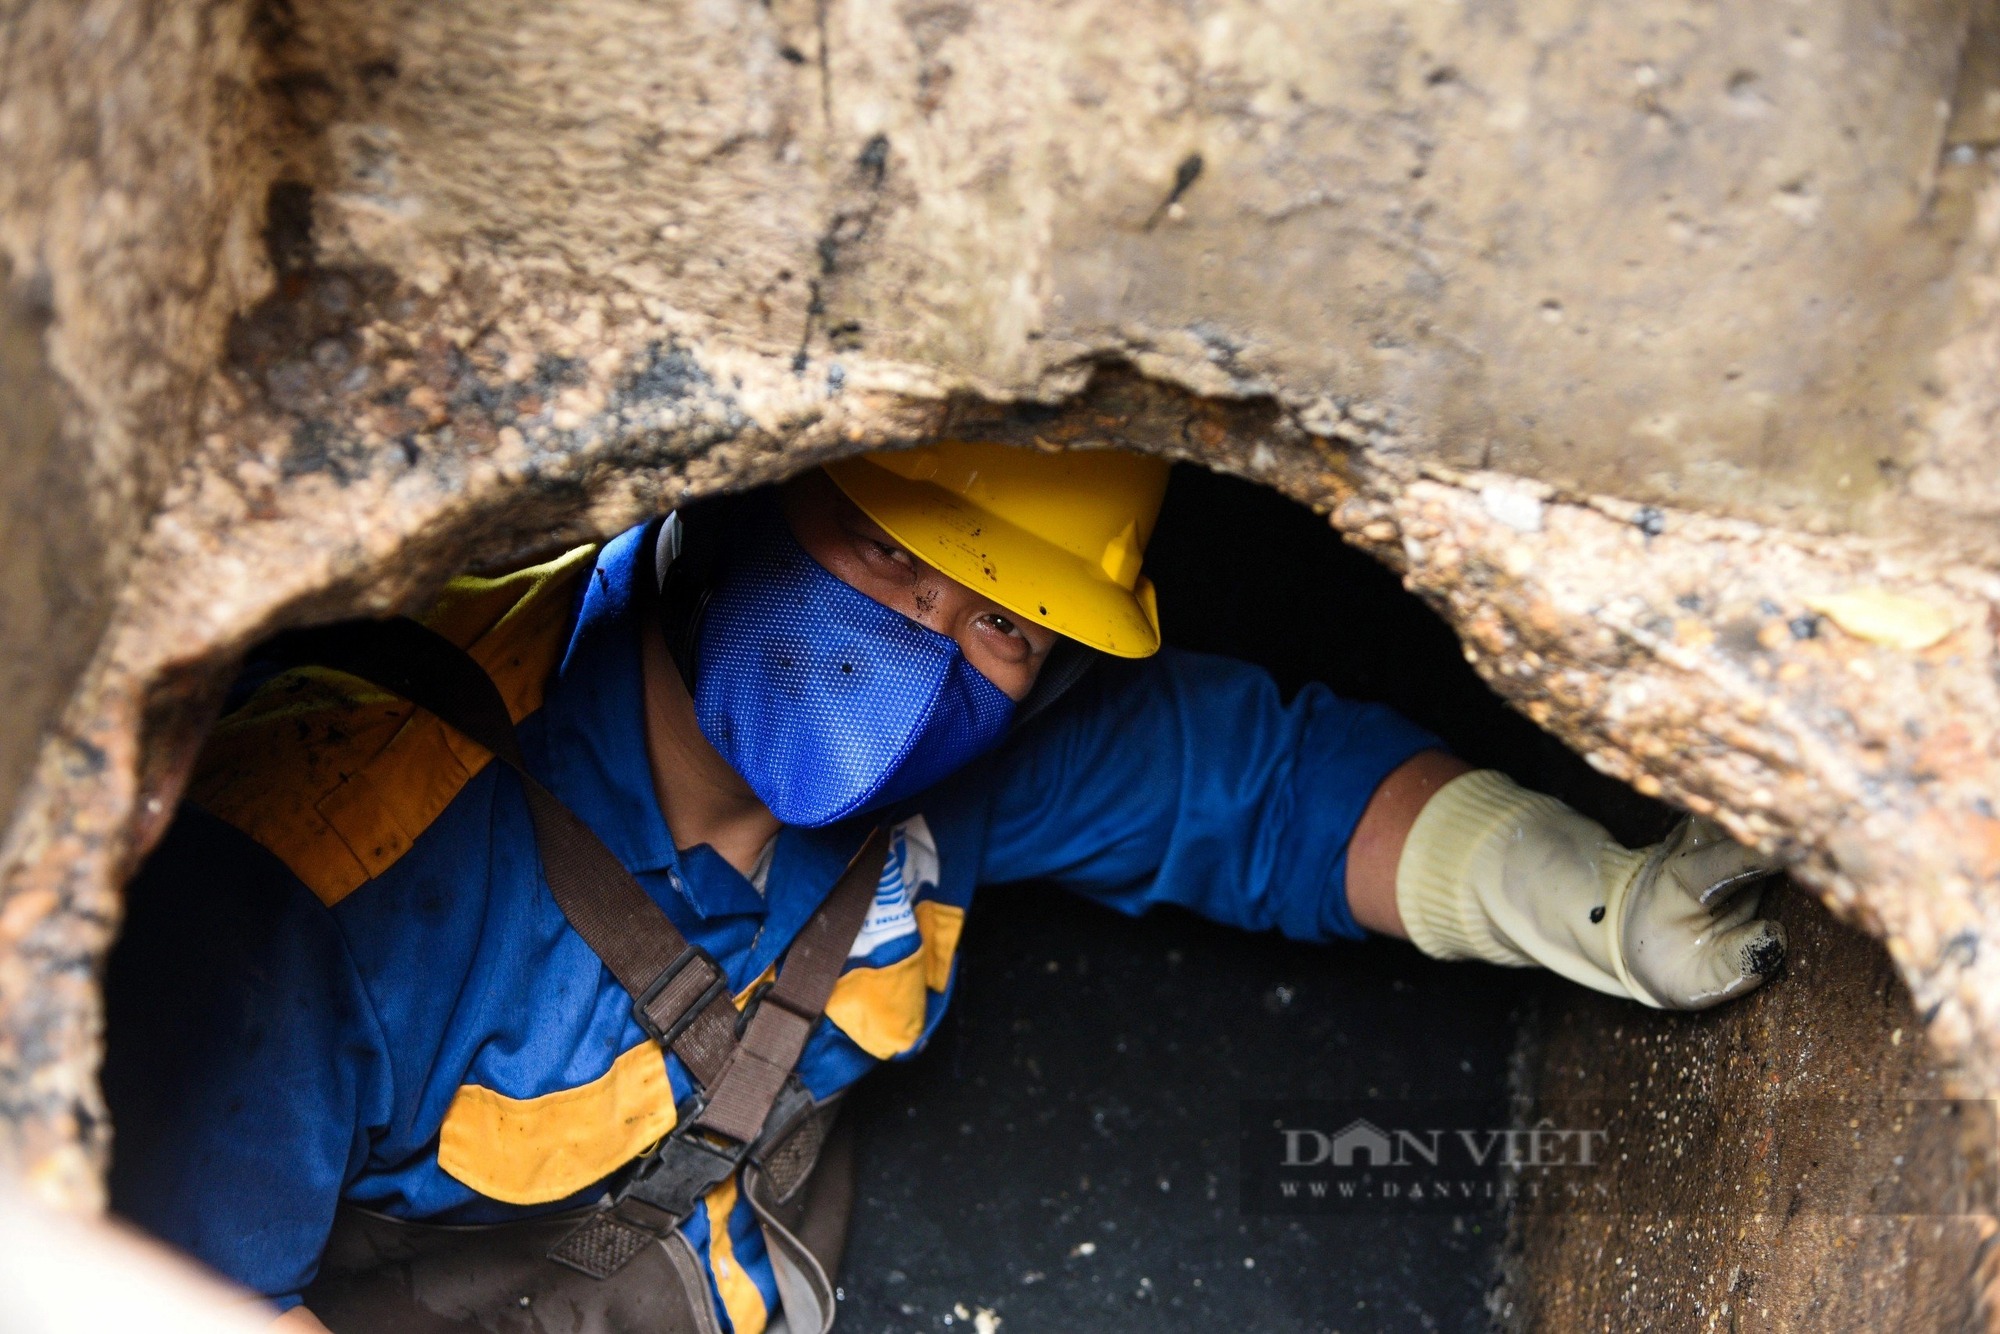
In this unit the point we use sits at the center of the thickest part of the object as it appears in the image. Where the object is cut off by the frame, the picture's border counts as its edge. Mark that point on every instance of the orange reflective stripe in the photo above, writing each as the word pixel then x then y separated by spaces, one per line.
pixel 881 1009
pixel 338 779
pixel 940 924
pixel 533 1150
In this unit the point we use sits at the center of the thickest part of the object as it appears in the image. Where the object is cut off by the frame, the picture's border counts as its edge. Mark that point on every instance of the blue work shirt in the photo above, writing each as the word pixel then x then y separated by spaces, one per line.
pixel 344 977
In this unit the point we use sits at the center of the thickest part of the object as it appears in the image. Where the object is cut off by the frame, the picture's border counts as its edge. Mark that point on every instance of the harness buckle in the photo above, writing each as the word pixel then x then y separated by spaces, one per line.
pixel 669 1035
pixel 660 1192
pixel 684 1167
pixel 788 1109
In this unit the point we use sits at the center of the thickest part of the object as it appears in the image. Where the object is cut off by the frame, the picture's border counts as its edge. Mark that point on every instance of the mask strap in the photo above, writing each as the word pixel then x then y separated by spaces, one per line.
pixel 688 548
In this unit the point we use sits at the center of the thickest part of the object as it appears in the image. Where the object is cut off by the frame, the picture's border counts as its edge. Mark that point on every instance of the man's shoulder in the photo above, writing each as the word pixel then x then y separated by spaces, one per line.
pixel 337 778
pixel 1105 701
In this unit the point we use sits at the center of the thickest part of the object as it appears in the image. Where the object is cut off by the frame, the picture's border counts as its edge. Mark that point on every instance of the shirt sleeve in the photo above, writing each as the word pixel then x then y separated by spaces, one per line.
pixel 243 1065
pixel 1186 779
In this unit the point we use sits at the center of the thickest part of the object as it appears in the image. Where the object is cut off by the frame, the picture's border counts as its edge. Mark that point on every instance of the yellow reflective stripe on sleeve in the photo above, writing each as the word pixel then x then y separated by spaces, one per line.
pixel 940 924
pixel 337 778
pixel 738 1290
pixel 534 1150
pixel 882 1009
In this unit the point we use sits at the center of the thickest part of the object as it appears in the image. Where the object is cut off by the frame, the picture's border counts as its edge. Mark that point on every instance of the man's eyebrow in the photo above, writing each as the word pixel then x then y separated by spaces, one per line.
pixel 857 522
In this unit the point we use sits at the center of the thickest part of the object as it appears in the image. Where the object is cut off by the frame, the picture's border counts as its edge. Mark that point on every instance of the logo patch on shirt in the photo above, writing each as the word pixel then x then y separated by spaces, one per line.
pixel 912 869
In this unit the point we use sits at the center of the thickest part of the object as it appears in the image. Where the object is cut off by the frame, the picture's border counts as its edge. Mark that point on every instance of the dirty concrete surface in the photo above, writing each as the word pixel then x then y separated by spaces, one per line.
pixel 53 589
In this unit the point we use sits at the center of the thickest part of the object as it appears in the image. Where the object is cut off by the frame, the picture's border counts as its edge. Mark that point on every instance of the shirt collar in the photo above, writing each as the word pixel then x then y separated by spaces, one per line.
pixel 594 716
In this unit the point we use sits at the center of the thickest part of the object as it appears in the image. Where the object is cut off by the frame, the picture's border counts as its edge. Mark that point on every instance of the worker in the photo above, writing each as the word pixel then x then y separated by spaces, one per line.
pixel 376 1055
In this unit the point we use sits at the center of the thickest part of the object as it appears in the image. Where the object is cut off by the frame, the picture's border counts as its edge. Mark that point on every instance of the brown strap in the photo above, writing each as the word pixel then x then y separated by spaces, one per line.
pixel 634 939
pixel 683 1167
pixel 788 1009
pixel 679 991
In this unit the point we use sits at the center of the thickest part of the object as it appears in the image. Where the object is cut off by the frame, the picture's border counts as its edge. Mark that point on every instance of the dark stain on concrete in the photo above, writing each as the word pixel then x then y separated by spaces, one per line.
pixel 1066 1155
pixel 53 598
pixel 670 374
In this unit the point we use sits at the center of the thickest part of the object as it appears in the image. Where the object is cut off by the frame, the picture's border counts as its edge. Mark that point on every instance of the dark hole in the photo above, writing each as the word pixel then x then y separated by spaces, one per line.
pixel 288 227
pixel 874 157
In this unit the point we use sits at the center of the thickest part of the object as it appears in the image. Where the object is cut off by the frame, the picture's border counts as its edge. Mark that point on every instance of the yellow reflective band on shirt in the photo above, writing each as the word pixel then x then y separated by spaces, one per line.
pixel 535 1150
pixel 883 1009
pixel 337 778
pixel 738 1290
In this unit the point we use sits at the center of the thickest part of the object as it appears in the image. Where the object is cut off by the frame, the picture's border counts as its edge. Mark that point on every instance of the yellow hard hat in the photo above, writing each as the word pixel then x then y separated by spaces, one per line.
pixel 1056 539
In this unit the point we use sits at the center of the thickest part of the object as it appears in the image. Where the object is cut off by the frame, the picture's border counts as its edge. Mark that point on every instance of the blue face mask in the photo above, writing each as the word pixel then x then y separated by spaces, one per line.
pixel 827 702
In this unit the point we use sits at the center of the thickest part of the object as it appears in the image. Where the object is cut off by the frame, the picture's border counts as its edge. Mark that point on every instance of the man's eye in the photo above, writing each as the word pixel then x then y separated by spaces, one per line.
pixel 1003 625
pixel 889 553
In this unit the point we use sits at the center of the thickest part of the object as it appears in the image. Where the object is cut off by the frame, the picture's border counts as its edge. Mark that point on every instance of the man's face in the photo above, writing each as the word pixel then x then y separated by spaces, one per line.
pixel 1002 647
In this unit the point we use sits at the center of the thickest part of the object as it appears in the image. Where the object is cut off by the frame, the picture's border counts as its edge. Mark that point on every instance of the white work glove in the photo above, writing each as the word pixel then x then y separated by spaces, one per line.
pixel 1493 871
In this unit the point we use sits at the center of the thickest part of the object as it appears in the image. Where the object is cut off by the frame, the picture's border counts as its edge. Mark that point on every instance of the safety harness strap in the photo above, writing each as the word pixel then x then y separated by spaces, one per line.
pixel 756 1108
pixel 783 1015
pixel 681 995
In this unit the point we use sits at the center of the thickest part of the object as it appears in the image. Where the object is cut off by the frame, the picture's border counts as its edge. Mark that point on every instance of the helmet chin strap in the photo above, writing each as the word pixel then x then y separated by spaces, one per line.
pixel 688 548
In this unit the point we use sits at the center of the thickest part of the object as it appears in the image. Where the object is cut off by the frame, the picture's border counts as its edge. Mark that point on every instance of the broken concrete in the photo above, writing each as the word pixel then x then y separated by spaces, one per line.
pixel 1655 342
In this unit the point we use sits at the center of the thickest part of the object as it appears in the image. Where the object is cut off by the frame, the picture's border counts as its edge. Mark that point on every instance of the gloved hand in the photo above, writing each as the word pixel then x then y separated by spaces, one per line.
pixel 1493 871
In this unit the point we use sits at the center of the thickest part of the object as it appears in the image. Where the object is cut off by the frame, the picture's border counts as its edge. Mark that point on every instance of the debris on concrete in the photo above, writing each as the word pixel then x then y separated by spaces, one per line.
pixel 1881 617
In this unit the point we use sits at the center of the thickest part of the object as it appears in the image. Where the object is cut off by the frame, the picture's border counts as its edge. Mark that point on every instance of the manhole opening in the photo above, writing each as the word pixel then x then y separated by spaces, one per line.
pixel 1069 1134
